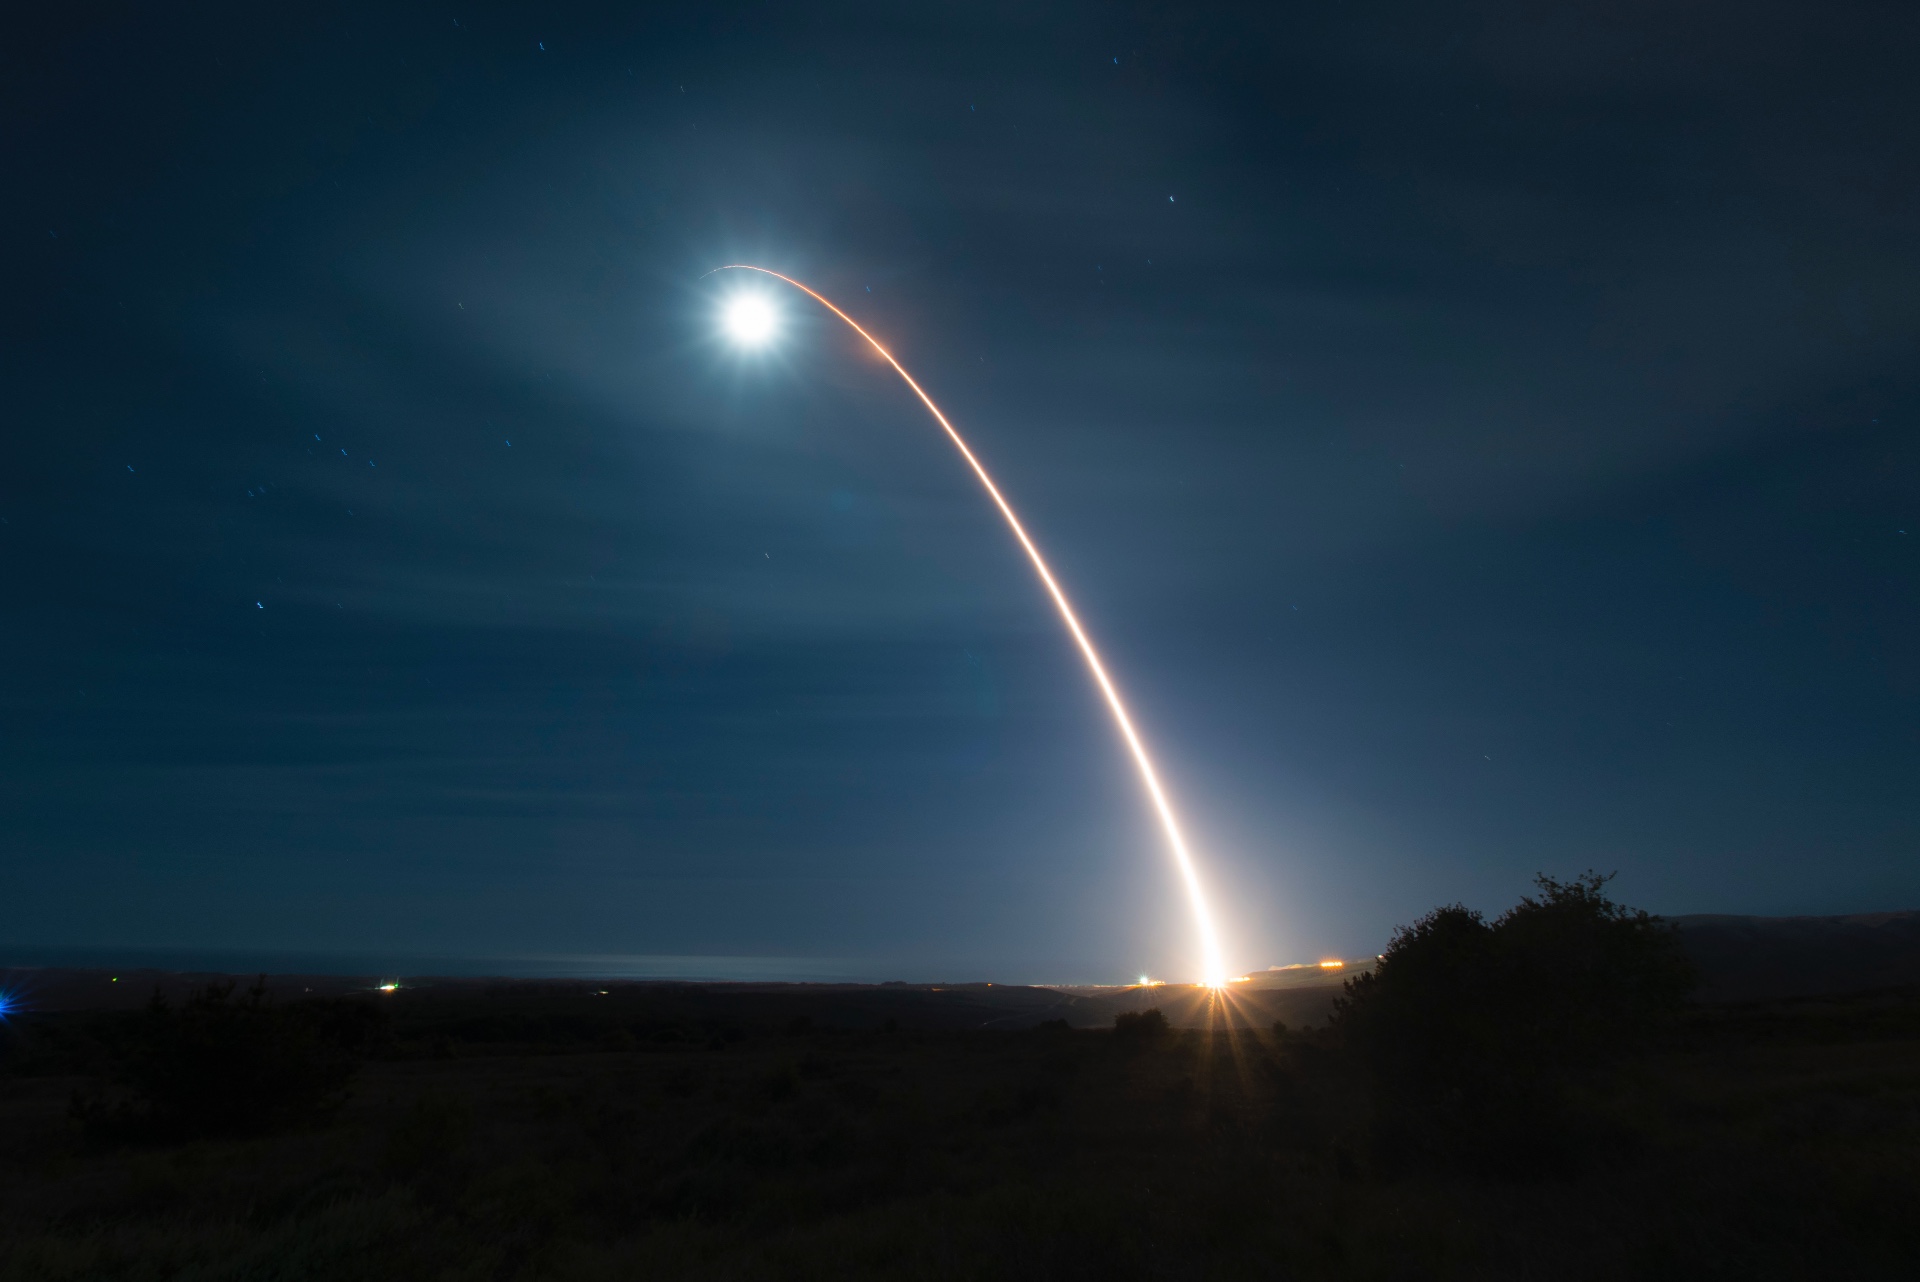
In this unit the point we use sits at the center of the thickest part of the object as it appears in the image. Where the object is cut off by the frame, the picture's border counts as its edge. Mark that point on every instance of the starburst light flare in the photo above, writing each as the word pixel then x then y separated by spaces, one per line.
pixel 1214 971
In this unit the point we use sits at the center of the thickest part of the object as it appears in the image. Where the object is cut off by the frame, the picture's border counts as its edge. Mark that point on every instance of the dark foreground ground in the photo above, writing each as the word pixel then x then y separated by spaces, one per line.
pixel 529 1133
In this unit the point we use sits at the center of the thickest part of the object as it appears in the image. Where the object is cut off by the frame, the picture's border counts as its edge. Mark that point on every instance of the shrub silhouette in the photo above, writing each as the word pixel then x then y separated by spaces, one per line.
pixel 1140 1027
pixel 1470 1033
pixel 224 1066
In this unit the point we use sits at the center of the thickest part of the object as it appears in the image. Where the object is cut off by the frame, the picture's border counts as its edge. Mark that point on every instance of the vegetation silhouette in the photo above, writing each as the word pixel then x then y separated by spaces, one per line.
pixel 1140 1027
pixel 227 1066
pixel 1474 1037
pixel 558 1131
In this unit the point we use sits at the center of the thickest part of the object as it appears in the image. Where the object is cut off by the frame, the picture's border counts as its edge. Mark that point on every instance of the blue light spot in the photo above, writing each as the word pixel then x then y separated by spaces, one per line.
pixel 258 606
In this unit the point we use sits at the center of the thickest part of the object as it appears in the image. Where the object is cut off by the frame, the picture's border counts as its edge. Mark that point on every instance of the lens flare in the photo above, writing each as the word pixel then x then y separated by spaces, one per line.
pixel 1213 969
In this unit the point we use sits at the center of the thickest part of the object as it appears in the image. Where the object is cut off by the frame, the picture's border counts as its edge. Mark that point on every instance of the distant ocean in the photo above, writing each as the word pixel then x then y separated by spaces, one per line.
pixel 399 965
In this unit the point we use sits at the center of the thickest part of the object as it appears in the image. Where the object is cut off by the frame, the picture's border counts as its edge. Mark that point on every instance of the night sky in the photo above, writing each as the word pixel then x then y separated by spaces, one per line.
pixel 1483 440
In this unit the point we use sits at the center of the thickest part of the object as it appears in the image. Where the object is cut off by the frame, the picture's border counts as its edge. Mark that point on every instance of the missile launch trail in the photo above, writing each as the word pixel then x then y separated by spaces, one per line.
pixel 1214 969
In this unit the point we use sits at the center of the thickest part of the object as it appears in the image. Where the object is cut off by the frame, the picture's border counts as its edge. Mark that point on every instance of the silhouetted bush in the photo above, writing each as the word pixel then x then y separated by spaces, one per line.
pixel 1470 1032
pixel 226 1065
pixel 1140 1027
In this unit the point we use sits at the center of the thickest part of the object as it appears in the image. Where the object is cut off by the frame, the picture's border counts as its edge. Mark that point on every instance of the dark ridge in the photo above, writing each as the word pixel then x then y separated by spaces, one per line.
pixel 474 1003
pixel 1756 958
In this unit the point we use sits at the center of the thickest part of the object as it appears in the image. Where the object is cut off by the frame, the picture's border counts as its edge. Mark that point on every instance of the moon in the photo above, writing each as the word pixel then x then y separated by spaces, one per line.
pixel 750 320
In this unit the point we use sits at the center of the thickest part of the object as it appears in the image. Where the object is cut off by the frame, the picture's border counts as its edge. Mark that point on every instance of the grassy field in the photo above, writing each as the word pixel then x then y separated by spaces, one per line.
pixel 514 1137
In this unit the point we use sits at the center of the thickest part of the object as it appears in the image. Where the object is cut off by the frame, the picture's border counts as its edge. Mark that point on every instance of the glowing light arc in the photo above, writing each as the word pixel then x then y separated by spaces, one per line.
pixel 1215 969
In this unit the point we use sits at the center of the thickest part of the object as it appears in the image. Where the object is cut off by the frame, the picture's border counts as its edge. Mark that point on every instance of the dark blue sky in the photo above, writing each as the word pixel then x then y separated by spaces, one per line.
pixel 1482 438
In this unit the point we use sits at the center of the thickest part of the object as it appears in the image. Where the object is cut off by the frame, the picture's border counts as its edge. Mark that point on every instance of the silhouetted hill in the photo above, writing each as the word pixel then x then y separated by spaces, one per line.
pixel 1752 958
pixel 608 1003
pixel 1740 959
